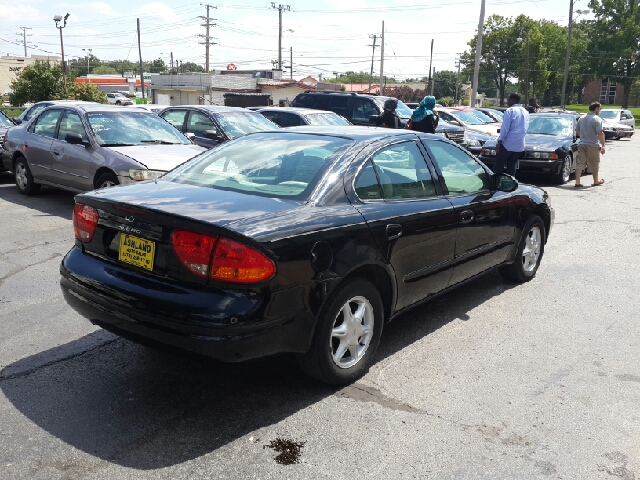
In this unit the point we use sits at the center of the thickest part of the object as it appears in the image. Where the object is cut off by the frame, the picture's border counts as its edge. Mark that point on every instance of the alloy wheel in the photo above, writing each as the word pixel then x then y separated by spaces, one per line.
pixel 352 332
pixel 531 251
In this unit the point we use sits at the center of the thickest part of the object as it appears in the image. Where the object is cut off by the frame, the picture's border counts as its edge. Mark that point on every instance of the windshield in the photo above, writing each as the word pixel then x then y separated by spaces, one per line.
pixel 498 114
pixel 325 119
pixel 608 114
pixel 119 129
pixel 482 116
pixel 237 124
pixel 466 118
pixel 551 126
pixel 402 110
pixel 269 164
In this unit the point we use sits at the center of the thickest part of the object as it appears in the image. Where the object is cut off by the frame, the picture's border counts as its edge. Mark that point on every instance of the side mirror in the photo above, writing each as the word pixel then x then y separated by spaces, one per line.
pixel 504 182
pixel 17 121
pixel 211 135
pixel 189 135
pixel 74 139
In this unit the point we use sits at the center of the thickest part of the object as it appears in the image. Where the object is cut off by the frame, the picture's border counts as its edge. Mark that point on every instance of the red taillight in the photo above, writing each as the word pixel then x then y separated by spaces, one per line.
pixel 194 250
pixel 85 221
pixel 235 262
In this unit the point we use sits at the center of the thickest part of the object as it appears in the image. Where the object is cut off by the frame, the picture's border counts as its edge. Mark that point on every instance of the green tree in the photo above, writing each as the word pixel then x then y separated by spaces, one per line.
pixel 87 92
pixel 501 53
pixel 188 67
pixel 104 70
pixel 444 84
pixel 39 81
pixel 615 41
pixel 538 77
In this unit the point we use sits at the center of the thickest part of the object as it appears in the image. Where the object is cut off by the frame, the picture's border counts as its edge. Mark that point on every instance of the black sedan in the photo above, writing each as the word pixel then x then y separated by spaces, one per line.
pixel 303 240
pixel 210 125
pixel 550 146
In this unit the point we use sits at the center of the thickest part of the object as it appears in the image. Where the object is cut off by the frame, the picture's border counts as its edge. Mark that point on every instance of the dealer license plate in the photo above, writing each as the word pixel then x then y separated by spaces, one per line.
pixel 136 251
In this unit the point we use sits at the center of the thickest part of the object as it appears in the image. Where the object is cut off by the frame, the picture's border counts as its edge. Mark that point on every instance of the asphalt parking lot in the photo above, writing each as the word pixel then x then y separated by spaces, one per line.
pixel 492 381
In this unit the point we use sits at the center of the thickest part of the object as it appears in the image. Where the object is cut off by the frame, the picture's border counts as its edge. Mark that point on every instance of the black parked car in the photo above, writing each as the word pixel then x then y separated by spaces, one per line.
pixel 302 240
pixel 359 109
pixel 550 146
pixel 296 117
pixel 210 125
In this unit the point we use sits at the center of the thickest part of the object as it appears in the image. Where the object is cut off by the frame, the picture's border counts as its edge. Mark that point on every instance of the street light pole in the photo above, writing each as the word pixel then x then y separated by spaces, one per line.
pixel 88 56
pixel 476 67
pixel 58 19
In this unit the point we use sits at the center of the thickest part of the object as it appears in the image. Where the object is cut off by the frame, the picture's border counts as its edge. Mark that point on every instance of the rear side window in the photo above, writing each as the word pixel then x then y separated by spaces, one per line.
pixel 338 105
pixel 45 124
pixel 367 186
pixel 198 124
pixel 267 164
pixel 363 108
pixel 403 172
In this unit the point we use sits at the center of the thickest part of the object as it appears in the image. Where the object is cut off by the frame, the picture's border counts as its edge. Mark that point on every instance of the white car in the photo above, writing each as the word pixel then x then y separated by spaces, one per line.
pixel 613 115
pixel 116 98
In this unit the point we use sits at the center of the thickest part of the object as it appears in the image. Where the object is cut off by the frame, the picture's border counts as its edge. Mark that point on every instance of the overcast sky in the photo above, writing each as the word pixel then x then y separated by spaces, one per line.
pixel 328 35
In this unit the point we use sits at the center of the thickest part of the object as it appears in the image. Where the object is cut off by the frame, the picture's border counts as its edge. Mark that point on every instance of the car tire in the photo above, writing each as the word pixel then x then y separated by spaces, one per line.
pixel 118 102
pixel 24 180
pixel 343 348
pixel 565 172
pixel 530 251
pixel 106 180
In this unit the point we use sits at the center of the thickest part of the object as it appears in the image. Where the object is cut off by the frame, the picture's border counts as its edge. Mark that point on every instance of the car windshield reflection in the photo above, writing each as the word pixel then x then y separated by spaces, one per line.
pixel 325 119
pixel 133 128
pixel 237 124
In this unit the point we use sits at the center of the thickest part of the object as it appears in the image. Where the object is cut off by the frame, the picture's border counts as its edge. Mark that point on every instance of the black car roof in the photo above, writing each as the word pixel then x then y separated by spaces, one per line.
pixel 300 110
pixel 352 132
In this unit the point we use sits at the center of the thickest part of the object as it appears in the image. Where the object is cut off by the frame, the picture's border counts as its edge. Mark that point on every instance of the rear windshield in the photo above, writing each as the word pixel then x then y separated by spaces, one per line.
pixel 236 124
pixel 269 164
pixel 325 119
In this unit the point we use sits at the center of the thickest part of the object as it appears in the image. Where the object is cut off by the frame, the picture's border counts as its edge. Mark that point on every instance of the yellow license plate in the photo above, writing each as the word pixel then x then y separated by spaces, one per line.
pixel 137 251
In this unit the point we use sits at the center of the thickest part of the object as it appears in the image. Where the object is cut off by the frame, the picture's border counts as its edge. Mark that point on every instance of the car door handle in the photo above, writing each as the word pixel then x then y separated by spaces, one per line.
pixel 394 231
pixel 466 216
pixel 55 152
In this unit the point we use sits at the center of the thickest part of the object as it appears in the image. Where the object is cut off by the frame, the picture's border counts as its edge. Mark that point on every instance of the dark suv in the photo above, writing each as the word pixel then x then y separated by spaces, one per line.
pixel 358 109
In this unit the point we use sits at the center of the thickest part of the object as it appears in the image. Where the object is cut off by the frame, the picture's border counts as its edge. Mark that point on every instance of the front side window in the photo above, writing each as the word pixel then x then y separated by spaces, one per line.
pixel 339 105
pixel 460 171
pixel 237 124
pixel 199 123
pixel 272 164
pixel 176 118
pixel 121 129
pixel 403 172
pixel 363 108
pixel 71 123
pixel 45 124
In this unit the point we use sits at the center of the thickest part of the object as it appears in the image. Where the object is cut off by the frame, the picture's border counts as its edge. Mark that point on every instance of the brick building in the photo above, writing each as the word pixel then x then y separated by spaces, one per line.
pixel 603 91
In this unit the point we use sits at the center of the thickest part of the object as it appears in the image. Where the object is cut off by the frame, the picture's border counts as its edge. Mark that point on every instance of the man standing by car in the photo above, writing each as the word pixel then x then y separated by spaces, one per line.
pixel 591 144
pixel 511 140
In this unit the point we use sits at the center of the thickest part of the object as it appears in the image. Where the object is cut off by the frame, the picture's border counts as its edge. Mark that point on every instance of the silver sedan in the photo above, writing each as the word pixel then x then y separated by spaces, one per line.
pixel 83 147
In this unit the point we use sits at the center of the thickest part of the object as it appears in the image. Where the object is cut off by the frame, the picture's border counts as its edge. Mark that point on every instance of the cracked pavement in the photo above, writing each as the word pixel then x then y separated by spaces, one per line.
pixel 491 381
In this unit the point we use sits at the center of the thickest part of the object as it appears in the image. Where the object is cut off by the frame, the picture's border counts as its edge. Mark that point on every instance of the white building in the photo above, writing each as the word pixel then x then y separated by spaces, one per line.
pixel 10 65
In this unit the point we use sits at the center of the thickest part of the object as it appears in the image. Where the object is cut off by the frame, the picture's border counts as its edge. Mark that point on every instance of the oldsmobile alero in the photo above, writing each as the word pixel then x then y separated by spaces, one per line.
pixel 304 241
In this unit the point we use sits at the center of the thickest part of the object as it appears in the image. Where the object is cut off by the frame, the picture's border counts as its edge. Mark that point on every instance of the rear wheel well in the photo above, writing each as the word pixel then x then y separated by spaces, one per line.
pixel 101 171
pixel 16 156
pixel 379 277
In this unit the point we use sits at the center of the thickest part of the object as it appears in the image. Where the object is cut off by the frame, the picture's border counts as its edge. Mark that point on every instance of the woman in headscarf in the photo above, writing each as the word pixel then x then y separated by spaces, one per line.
pixel 389 118
pixel 425 119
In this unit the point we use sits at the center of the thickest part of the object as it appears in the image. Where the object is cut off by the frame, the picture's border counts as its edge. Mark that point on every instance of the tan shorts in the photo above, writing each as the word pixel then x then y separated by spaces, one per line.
pixel 588 156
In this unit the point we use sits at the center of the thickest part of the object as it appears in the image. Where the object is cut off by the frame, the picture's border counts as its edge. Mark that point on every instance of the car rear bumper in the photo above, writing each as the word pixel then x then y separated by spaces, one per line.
pixel 226 325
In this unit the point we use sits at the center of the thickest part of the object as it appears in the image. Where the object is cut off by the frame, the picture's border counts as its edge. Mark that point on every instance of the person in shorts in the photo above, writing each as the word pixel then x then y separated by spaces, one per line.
pixel 591 145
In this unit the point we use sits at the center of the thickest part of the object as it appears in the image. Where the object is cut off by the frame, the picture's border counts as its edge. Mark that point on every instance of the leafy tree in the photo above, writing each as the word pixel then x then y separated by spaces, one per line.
pixel 188 67
pixel 635 93
pixel 39 81
pixel 615 41
pixel 405 93
pixel 444 84
pixel 446 101
pixel 501 52
pixel 538 76
pixel 104 70
pixel 87 92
